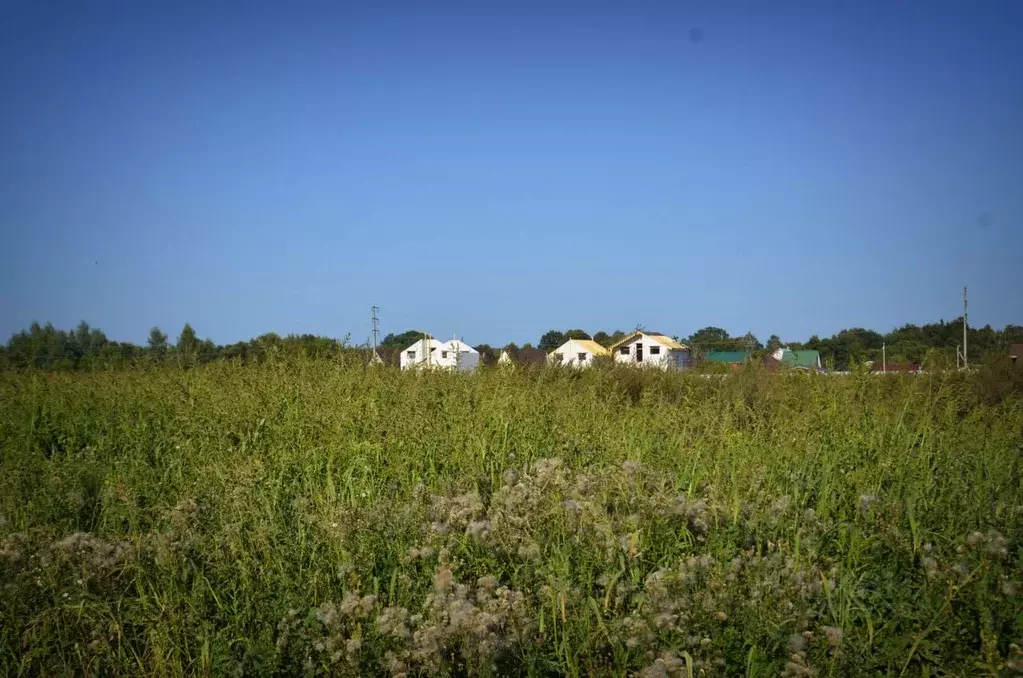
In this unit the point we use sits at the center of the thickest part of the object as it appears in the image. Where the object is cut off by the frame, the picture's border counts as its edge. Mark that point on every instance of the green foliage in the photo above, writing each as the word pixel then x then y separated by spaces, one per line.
pixel 45 347
pixel 157 343
pixel 709 336
pixel 308 516
pixel 551 340
pixel 188 342
pixel 403 340
pixel 488 354
pixel 711 339
pixel 917 344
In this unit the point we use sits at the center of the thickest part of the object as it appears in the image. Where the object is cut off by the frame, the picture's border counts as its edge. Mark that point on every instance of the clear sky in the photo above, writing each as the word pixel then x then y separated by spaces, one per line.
pixel 499 169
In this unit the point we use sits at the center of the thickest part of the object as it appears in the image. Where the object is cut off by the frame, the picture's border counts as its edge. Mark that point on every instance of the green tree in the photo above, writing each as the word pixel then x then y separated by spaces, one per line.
pixel 773 343
pixel 712 339
pixel 602 338
pixel 488 354
pixel 709 335
pixel 576 334
pixel 403 340
pixel 551 340
pixel 187 346
pixel 188 342
pixel 83 339
pixel 157 343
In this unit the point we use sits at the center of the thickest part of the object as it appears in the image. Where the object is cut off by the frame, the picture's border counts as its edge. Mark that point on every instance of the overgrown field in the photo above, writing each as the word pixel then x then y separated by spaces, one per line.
pixel 305 518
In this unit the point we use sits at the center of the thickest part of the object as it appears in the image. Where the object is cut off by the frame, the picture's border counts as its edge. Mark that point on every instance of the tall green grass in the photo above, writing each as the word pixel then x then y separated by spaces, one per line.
pixel 304 517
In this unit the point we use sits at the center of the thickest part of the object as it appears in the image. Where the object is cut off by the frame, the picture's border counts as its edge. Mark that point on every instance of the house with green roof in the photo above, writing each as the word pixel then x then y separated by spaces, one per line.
pixel 806 359
pixel 728 357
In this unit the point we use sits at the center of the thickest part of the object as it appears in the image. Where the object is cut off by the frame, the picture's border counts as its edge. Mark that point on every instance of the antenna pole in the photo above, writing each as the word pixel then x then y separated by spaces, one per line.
pixel 376 329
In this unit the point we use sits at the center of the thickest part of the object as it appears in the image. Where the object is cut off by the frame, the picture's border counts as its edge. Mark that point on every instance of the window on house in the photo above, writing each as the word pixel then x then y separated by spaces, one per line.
pixel 582 357
pixel 443 354
pixel 624 350
pixel 411 355
pixel 655 350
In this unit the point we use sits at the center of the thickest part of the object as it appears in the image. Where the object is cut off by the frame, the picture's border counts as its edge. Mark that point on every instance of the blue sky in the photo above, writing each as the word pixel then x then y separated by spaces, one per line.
pixel 496 170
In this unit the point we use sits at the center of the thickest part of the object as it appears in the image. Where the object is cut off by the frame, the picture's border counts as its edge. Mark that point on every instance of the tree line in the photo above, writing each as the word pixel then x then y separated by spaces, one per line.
pixel 85 347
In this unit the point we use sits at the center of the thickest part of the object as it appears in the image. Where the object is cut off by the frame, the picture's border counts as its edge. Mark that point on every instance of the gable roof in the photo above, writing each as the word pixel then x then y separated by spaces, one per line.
pixel 666 341
pixel 431 343
pixel 662 339
pixel 801 358
pixel 459 345
pixel 587 345
pixel 728 356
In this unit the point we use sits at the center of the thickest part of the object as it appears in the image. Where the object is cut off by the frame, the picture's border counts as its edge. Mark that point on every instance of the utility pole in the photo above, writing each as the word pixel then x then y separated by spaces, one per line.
pixel 884 357
pixel 376 329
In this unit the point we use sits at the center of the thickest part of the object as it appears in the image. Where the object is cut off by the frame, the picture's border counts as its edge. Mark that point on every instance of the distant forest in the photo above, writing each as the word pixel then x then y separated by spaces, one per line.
pixel 85 347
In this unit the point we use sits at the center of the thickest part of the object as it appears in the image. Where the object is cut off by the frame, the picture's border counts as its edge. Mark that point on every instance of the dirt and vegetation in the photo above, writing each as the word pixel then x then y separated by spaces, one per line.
pixel 310 517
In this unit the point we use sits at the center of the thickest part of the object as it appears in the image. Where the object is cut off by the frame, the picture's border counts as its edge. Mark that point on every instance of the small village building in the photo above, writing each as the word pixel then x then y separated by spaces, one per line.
pixel 429 353
pixel 733 358
pixel 805 359
pixel 577 353
pixel 651 349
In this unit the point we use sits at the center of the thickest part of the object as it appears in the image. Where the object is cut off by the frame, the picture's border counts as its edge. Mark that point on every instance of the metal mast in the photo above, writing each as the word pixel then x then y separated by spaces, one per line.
pixel 376 329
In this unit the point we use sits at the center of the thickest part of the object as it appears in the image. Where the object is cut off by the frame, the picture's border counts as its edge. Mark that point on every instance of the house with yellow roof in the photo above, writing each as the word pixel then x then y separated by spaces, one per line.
pixel 651 349
pixel 576 353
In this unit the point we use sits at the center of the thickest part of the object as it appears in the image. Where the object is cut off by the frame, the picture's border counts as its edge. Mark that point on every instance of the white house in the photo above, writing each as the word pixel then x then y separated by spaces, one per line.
pixel 806 359
pixel 651 349
pixel 576 353
pixel 459 355
pixel 430 353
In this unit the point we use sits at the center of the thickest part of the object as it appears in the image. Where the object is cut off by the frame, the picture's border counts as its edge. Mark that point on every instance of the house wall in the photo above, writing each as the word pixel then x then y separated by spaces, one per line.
pixel 666 359
pixel 459 356
pixel 419 348
pixel 445 355
pixel 407 362
pixel 569 352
